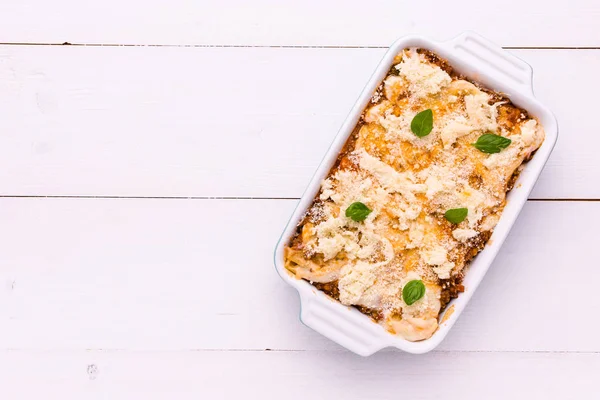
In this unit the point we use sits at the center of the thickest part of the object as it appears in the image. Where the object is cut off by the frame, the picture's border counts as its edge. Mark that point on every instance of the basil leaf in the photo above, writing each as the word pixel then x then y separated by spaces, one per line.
pixel 491 143
pixel 358 211
pixel 456 215
pixel 422 123
pixel 413 291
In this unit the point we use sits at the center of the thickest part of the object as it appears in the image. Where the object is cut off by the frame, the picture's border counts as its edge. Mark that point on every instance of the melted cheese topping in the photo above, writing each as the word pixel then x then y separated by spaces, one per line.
pixel 409 183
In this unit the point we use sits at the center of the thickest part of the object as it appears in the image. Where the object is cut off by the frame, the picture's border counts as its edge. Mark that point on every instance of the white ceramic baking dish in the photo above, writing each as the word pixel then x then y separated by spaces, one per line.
pixel 484 62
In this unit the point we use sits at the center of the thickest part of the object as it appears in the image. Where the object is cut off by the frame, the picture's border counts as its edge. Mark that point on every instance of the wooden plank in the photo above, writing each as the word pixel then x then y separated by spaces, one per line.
pixel 251 122
pixel 167 274
pixel 313 375
pixel 329 23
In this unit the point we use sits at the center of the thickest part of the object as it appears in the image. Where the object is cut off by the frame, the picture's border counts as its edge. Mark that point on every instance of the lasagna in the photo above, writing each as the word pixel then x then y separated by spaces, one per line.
pixel 414 195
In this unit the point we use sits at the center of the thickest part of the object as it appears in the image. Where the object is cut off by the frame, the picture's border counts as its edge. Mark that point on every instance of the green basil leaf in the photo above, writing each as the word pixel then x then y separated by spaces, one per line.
pixel 456 215
pixel 358 211
pixel 422 123
pixel 413 291
pixel 491 143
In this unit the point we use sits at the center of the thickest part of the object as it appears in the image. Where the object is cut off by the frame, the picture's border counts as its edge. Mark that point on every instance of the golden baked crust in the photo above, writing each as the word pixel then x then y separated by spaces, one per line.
pixel 409 182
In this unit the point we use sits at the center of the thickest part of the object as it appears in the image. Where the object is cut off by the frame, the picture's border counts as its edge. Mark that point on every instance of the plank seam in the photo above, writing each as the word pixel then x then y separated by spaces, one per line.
pixel 268 350
pixel 11 196
pixel 270 46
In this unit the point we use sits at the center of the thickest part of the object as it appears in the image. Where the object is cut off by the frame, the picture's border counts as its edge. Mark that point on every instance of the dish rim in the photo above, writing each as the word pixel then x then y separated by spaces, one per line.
pixel 494 68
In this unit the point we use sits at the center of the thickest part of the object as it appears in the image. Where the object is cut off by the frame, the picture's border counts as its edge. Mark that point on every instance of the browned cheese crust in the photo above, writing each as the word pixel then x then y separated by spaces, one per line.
pixel 409 182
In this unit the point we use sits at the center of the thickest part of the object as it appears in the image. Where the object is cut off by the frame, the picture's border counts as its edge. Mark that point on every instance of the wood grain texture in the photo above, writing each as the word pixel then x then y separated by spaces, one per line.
pixel 234 122
pixel 166 274
pixel 297 375
pixel 175 298
pixel 312 22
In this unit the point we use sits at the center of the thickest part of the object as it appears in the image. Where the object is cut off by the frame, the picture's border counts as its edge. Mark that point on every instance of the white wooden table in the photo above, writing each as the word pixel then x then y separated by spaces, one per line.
pixel 148 169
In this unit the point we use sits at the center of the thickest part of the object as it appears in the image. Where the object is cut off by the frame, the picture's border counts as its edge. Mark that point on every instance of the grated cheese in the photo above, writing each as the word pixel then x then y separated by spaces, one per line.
pixel 528 132
pixel 355 280
pixel 392 180
pixel 393 87
pixel 443 271
pixel 423 79
pixel 435 256
pixel 463 235
pixel 455 129
pixel 480 113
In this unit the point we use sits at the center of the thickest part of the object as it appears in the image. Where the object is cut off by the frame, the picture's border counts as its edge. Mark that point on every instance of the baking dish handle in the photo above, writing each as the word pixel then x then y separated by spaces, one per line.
pixel 494 59
pixel 333 321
